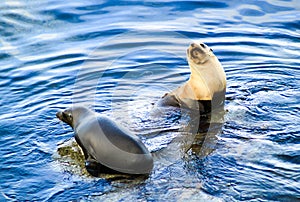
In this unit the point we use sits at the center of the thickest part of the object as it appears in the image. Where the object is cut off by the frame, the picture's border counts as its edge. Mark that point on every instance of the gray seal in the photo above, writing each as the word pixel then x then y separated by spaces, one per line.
pixel 106 142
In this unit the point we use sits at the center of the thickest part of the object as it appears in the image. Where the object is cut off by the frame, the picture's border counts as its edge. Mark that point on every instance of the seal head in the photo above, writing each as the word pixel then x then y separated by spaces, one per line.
pixel 198 53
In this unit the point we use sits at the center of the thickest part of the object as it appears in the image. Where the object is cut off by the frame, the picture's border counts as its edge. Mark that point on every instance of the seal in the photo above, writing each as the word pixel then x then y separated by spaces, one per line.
pixel 206 85
pixel 106 143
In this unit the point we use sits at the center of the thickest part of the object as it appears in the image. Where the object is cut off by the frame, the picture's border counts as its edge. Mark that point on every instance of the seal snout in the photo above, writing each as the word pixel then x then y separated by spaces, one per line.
pixel 59 115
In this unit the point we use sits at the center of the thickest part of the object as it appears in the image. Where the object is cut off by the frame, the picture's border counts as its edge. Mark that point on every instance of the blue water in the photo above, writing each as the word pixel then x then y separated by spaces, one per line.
pixel 120 57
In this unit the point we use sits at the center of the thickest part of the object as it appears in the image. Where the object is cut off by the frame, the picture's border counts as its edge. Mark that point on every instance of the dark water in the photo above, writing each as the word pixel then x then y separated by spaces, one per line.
pixel 119 57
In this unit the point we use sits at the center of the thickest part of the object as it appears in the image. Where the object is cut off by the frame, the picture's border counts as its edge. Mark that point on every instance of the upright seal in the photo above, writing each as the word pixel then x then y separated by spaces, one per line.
pixel 206 85
pixel 106 142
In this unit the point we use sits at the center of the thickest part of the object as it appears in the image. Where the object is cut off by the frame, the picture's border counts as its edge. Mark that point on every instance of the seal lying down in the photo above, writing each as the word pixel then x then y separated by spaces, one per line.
pixel 106 145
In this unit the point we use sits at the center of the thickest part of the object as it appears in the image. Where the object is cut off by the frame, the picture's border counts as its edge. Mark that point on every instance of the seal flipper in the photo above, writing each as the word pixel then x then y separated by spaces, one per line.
pixel 95 168
pixel 92 166
pixel 169 100
pixel 86 155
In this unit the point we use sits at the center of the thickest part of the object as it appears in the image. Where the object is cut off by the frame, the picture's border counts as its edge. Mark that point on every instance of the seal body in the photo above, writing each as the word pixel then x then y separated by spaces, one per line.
pixel 106 142
pixel 206 87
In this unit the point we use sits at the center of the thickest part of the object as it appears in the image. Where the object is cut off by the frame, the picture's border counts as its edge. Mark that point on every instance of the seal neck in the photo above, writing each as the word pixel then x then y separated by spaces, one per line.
pixel 82 116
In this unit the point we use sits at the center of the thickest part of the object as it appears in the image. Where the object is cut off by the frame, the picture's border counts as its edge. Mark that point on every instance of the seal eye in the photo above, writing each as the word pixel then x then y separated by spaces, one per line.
pixel 202 45
pixel 67 116
pixel 211 50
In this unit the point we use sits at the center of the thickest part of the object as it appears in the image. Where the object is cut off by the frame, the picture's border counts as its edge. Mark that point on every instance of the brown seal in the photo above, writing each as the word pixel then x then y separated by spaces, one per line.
pixel 206 85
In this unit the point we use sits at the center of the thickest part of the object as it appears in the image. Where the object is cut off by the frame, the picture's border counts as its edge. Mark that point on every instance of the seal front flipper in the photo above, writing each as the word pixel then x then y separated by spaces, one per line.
pixel 95 168
pixel 92 166
pixel 169 100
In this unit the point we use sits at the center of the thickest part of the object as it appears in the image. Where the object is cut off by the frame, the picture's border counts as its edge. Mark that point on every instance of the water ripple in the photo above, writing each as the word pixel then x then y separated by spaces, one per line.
pixel 120 58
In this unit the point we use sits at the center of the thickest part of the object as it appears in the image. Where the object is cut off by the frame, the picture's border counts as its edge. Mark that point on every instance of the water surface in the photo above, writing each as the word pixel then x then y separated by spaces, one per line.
pixel 120 57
